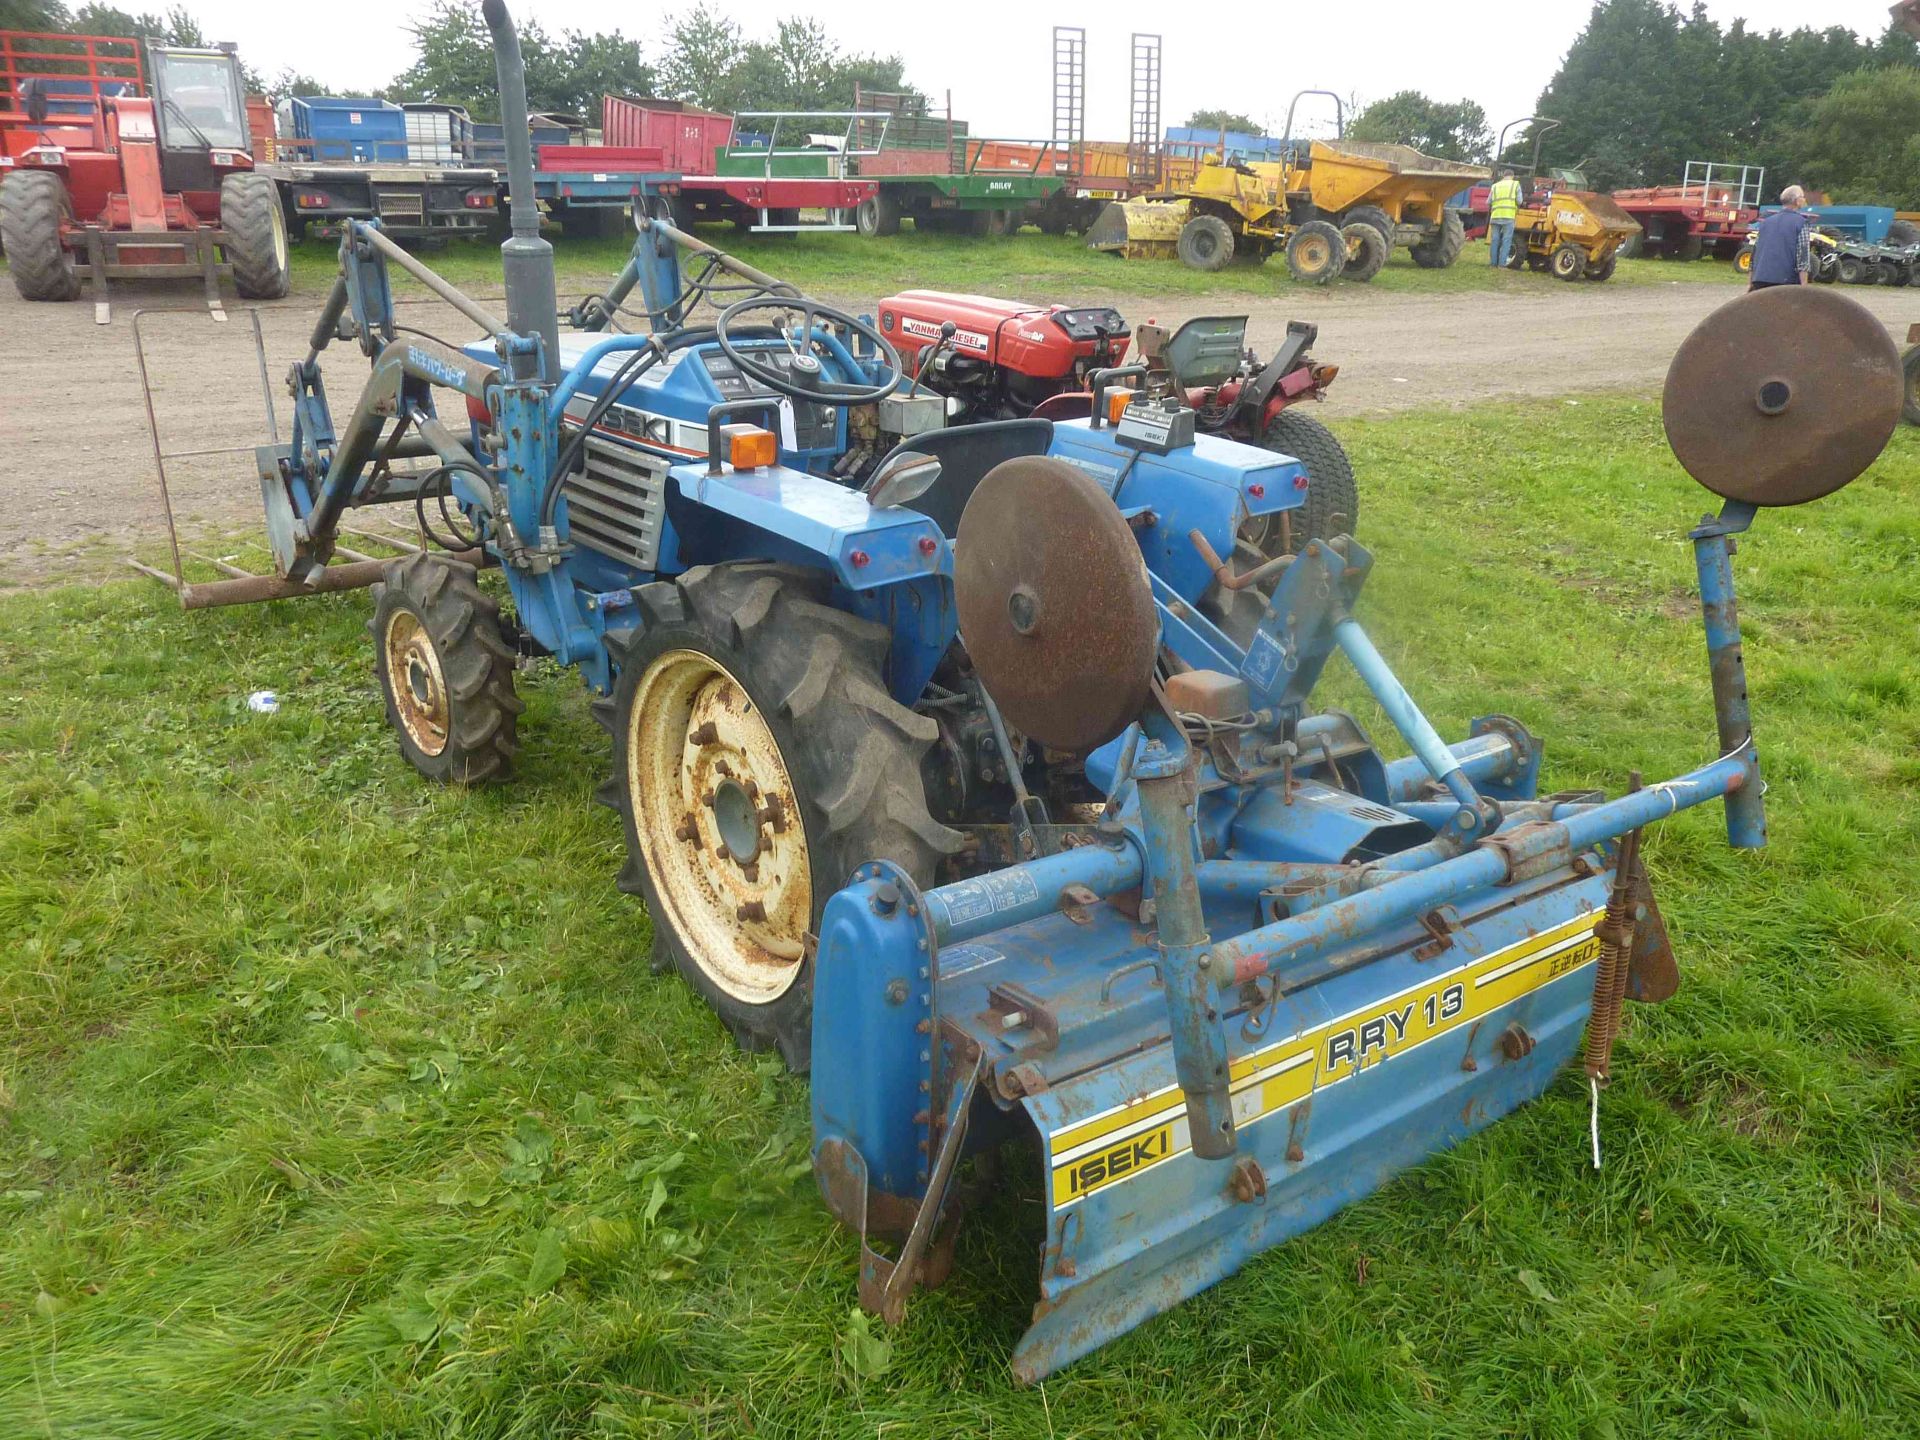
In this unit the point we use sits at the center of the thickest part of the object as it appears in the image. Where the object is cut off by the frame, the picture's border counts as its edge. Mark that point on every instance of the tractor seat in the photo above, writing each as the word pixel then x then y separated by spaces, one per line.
pixel 966 453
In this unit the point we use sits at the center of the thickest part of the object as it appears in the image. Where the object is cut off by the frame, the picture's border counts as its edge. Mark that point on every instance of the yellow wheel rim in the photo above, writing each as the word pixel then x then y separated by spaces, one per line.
pixel 1314 254
pixel 719 826
pixel 414 676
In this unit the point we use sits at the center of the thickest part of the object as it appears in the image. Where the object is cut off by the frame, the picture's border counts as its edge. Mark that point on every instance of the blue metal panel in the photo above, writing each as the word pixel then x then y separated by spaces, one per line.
pixel 1210 488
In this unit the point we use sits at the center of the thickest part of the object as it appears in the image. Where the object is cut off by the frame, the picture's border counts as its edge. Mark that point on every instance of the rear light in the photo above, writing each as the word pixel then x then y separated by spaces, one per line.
pixel 310 200
pixel 1117 402
pixel 477 411
pixel 480 200
pixel 1323 374
pixel 749 447
pixel 1256 490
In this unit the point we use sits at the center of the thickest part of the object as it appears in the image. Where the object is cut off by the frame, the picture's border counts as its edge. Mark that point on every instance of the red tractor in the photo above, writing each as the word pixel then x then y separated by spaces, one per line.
pixel 1003 359
pixel 121 165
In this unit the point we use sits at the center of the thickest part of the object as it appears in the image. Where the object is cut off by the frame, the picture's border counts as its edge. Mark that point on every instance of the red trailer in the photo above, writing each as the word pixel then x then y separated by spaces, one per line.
pixel 1709 211
pixel 752 179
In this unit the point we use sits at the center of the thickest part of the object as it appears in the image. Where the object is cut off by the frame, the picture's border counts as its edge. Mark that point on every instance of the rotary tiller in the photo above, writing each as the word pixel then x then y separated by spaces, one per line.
pixel 1279 967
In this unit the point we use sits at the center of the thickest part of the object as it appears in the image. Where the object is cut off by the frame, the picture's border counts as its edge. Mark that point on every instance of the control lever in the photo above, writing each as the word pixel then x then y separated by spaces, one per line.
pixel 926 360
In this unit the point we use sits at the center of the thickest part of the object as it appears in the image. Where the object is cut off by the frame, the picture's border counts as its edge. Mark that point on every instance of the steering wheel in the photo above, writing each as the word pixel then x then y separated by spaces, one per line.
pixel 806 363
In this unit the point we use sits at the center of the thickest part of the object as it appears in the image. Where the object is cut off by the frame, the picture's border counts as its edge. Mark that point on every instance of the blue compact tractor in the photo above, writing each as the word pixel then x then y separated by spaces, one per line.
pixel 980 764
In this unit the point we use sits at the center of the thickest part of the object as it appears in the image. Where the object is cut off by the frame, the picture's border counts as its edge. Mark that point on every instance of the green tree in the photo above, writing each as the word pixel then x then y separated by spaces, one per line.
pixel 1455 130
pixel 1861 140
pixel 1225 120
pixel 708 62
pixel 176 27
pixel 453 65
pixel 34 15
pixel 1645 88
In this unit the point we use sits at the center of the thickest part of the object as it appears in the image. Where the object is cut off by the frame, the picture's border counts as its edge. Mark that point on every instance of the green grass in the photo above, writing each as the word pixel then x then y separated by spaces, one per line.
pixel 1029 265
pixel 333 1104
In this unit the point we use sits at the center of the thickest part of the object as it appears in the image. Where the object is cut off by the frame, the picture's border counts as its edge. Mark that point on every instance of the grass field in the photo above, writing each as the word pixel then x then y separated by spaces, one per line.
pixel 1031 264
pixel 332 1104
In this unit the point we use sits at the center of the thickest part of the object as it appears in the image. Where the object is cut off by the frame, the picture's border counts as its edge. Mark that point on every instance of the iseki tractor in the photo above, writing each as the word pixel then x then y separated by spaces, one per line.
pixel 983 775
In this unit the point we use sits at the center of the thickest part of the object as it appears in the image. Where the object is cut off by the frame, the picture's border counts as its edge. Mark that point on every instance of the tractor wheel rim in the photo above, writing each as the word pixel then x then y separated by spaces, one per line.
pixel 279 239
pixel 1314 254
pixel 418 684
pixel 719 826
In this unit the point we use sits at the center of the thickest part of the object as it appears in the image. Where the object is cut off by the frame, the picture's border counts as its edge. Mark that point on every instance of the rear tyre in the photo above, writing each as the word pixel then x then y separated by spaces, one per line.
pixel 33 207
pixel 1366 250
pixel 757 759
pixel 1569 262
pixel 879 214
pixel 1316 253
pixel 1333 499
pixel 445 669
pixel 1903 232
pixel 1910 404
pixel 1743 259
pixel 1443 247
pixel 1598 270
pixel 1632 247
pixel 1851 270
pixel 1205 243
pixel 1687 247
pixel 256 229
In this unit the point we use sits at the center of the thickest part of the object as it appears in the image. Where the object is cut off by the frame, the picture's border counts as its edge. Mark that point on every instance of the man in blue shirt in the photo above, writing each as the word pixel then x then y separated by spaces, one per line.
pixel 1782 251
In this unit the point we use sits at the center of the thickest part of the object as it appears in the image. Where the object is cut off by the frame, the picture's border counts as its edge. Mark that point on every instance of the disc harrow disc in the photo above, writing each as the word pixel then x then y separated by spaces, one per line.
pixel 1782 396
pixel 1055 608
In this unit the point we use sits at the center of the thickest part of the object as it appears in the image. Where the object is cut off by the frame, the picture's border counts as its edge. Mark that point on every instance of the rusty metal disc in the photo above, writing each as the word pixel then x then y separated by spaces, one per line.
pixel 1054 603
pixel 1783 395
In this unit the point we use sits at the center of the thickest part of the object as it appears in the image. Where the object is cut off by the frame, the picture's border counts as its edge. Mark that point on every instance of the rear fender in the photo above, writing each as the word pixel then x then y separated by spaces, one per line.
pixel 889 564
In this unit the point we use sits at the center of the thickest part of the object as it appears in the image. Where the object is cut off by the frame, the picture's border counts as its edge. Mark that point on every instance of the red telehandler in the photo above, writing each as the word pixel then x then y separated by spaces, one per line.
pixel 124 158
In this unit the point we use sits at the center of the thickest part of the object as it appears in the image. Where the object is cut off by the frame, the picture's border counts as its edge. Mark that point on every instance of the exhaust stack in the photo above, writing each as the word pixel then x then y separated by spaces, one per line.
pixel 526 260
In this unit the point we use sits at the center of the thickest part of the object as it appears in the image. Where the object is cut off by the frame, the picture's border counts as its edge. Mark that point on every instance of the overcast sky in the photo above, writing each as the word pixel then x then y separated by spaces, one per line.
pixel 995 55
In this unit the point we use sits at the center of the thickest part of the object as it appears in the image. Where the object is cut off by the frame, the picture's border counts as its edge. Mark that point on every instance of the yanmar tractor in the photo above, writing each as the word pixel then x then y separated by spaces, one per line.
pixel 938 771
pixel 1005 359
pixel 102 179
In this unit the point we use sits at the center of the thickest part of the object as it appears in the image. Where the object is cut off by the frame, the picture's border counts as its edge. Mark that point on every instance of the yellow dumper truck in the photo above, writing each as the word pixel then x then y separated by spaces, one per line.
pixel 1570 234
pixel 1334 207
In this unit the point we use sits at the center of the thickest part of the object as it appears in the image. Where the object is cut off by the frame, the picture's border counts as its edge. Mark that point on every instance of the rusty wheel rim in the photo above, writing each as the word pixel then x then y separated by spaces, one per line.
pixel 1315 254
pixel 418 685
pixel 719 826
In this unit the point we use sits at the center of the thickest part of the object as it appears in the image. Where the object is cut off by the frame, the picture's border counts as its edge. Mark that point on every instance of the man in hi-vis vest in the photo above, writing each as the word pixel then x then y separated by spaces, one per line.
pixel 1503 203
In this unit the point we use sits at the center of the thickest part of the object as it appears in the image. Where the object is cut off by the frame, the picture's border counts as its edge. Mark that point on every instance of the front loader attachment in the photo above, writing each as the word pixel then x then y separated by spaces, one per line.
pixel 1140 229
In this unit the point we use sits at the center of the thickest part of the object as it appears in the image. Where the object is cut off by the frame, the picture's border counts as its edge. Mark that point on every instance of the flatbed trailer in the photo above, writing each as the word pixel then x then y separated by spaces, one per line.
pixel 999 186
pixel 587 189
pixel 1708 212
pixel 411 202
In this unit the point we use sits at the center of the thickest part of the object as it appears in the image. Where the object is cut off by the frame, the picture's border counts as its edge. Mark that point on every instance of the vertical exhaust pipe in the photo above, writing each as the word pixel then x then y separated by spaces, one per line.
pixel 526 261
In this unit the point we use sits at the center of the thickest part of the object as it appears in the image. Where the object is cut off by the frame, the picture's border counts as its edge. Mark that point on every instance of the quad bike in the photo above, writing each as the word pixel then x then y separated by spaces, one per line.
pixel 1004 359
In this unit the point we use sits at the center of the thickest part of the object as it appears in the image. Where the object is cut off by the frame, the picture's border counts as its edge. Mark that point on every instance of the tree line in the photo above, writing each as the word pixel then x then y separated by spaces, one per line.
pixel 1644 88
pixel 705 60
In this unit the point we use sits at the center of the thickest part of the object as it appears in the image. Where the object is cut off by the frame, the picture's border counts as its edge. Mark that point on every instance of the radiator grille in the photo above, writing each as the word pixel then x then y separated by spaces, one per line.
pixel 617 503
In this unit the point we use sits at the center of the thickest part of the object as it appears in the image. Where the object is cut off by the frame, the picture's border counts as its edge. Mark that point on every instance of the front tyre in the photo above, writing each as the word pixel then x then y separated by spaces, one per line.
pixel 757 760
pixel 34 208
pixel 445 669
pixel 256 229
pixel 1316 253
